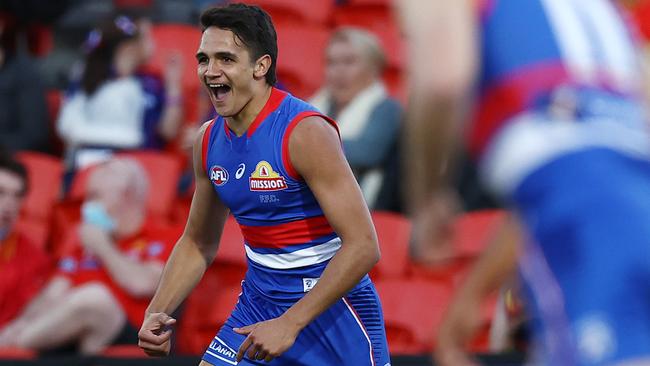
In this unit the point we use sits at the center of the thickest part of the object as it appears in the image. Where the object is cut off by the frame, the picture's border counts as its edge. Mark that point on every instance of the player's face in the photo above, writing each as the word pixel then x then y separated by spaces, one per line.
pixel 11 198
pixel 226 70
pixel 348 71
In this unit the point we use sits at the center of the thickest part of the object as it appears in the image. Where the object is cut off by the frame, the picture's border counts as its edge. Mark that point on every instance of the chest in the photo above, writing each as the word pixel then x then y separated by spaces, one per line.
pixel 248 174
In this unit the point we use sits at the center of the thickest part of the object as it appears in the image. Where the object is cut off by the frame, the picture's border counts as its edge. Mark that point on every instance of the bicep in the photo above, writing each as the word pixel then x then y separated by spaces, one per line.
pixel 317 156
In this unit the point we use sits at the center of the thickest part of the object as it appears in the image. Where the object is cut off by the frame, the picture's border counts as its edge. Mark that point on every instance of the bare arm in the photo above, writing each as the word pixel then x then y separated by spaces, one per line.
pixel 495 265
pixel 192 254
pixel 316 153
pixel 442 61
pixel 198 245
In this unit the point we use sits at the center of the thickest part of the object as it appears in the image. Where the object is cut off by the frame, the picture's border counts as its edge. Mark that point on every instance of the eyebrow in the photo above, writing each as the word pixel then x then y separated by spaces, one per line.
pixel 221 54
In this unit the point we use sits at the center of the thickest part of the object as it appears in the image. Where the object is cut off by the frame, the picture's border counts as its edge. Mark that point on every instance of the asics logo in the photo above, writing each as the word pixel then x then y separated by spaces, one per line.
pixel 240 171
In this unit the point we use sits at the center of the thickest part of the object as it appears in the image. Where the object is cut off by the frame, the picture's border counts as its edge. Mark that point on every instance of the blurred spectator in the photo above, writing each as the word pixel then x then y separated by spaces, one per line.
pixel 102 287
pixel 23 109
pixel 355 96
pixel 117 105
pixel 24 268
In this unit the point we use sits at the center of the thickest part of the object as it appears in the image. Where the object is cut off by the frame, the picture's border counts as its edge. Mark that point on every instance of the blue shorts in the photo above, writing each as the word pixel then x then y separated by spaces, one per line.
pixel 587 266
pixel 351 332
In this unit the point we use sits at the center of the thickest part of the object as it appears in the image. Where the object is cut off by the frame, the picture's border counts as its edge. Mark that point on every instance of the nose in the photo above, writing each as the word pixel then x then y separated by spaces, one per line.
pixel 214 70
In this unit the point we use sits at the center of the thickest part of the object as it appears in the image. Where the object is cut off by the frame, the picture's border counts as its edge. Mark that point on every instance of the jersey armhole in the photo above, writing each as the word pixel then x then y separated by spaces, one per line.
pixel 286 158
pixel 205 144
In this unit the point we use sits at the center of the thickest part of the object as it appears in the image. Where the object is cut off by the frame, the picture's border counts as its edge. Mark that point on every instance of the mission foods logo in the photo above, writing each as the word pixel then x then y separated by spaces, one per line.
pixel 264 179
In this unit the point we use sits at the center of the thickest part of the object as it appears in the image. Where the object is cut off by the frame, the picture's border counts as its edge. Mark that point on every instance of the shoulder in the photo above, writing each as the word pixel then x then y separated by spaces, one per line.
pixel 314 130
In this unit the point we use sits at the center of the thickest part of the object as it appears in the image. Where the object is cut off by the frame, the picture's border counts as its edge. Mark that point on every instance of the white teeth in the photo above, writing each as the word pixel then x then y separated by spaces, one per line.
pixel 216 85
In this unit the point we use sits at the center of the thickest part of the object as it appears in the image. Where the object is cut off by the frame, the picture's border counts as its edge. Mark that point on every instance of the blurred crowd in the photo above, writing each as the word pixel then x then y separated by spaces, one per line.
pixel 101 89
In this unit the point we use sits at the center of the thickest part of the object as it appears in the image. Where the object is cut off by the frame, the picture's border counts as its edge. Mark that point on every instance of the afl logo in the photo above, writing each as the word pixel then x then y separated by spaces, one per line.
pixel 218 175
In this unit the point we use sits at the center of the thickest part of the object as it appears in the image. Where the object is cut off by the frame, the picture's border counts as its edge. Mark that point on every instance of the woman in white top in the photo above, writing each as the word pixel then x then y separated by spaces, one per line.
pixel 106 111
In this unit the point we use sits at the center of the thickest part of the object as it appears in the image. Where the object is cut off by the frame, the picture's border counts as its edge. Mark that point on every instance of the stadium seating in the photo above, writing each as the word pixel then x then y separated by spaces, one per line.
pixel 418 317
pixel 301 57
pixel 281 11
pixel 45 173
pixel 473 230
pixel 36 231
pixel 204 312
pixel 393 232
pixel 163 170
pixel 184 40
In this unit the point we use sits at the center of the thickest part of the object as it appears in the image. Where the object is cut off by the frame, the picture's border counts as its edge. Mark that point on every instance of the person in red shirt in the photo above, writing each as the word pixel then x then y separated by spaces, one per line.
pixel 104 282
pixel 24 267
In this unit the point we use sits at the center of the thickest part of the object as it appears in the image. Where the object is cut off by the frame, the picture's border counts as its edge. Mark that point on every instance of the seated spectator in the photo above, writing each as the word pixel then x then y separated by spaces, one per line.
pixel 103 285
pixel 114 106
pixel 355 96
pixel 23 109
pixel 24 267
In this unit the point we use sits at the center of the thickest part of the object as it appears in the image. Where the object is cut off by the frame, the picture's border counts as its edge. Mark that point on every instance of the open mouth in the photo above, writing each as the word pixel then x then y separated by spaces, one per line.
pixel 220 91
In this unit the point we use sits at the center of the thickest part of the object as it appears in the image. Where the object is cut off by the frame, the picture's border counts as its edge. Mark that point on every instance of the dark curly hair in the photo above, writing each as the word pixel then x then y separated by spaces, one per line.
pixel 252 25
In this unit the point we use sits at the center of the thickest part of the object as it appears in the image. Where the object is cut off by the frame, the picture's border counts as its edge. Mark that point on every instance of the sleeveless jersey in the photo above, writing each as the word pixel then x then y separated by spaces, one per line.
pixel 533 50
pixel 288 240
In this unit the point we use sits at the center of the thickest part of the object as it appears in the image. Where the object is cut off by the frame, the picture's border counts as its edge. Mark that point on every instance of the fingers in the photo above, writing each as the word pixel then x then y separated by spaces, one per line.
pixel 245 330
pixel 165 319
pixel 154 345
pixel 253 350
pixel 242 349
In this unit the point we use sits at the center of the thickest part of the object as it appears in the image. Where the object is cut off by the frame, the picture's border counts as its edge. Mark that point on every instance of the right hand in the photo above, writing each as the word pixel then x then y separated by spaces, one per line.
pixel 155 334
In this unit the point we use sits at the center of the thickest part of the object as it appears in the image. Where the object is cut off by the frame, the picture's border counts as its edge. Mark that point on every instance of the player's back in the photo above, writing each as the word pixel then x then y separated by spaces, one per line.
pixel 551 60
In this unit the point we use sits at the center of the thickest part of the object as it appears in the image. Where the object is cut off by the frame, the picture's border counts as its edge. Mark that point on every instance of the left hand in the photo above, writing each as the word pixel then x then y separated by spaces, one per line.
pixel 267 340
pixel 93 238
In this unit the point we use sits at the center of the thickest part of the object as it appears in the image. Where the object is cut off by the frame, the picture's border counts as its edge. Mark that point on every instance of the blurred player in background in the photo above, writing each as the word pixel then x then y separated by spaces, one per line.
pixel 559 129
pixel 277 164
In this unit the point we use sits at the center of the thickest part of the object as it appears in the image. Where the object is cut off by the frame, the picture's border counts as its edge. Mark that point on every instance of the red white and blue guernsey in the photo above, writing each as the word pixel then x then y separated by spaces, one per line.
pixel 561 134
pixel 288 243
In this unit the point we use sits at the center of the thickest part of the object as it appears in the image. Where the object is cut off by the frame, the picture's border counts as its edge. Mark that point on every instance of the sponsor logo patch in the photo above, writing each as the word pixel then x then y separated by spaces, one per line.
pixel 309 283
pixel 218 175
pixel 240 171
pixel 222 351
pixel 265 179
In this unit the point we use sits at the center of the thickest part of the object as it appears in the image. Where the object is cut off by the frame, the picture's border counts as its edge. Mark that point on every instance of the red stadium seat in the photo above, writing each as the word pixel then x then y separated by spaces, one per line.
pixel 301 58
pixel 13 353
pixel 36 231
pixel 204 312
pixel 184 40
pixel 163 170
pixel 473 230
pixel 393 232
pixel 318 11
pixel 124 351
pixel 414 305
pixel 44 176
pixel 365 15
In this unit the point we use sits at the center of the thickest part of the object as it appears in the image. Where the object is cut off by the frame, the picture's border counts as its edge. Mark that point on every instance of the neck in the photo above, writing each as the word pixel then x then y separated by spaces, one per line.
pixel 240 122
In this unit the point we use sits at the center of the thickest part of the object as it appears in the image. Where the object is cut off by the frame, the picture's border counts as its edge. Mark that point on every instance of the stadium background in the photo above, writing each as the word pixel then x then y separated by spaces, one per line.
pixel 414 296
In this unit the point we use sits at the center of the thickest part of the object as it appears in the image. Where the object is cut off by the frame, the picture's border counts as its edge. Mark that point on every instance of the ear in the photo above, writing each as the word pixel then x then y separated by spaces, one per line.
pixel 262 66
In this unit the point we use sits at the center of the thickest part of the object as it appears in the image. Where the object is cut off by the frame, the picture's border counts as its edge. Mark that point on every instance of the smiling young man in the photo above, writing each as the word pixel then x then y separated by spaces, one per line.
pixel 277 164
